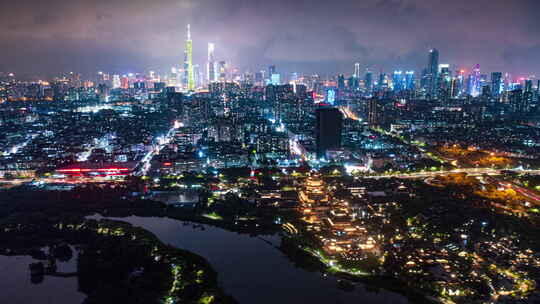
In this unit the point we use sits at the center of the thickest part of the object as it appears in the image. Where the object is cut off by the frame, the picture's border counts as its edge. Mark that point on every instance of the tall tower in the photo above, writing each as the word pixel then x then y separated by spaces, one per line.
pixel 189 79
pixel 357 70
pixel 496 84
pixel 211 68
pixel 432 71
pixel 474 81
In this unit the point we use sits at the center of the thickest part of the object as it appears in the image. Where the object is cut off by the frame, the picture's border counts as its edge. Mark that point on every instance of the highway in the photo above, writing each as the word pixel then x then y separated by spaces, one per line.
pixel 528 193
pixel 469 171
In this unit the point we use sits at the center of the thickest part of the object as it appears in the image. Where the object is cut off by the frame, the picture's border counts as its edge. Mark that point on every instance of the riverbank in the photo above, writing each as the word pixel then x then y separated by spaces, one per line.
pixel 116 262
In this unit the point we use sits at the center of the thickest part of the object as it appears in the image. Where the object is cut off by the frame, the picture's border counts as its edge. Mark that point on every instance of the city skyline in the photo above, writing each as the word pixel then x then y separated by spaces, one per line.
pixel 90 36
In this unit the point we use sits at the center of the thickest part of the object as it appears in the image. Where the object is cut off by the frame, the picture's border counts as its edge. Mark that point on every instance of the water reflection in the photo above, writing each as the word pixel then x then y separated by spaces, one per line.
pixel 17 288
pixel 253 271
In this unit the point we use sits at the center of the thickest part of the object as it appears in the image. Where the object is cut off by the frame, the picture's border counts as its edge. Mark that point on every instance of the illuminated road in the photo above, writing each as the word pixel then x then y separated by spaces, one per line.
pixel 530 194
pixel 469 171
pixel 145 163
pixel 20 146
pixel 348 113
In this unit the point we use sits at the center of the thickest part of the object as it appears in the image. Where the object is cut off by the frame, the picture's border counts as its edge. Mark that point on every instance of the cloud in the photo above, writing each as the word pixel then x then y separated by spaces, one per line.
pixel 329 36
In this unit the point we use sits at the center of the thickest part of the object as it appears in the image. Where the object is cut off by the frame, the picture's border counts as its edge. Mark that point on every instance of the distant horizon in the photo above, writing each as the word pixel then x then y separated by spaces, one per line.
pixel 123 36
pixel 88 75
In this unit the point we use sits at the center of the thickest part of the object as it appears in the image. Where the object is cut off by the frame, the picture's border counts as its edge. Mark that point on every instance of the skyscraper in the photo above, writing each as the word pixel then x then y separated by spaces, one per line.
pixel 398 81
pixel 383 82
pixel 271 70
pixel 275 79
pixel 328 132
pixel 409 80
pixel 496 84
pixel 432 72
pixel 341 81
pixel 518 104
pixel 444 82
pixel 368 81
pixel 474 83
pixel 374 112
pixel 197 75
pixel 211 65
pixel 357 70
pixel 222 71
pixel 116 82
pixel 189 79
pixel 528 95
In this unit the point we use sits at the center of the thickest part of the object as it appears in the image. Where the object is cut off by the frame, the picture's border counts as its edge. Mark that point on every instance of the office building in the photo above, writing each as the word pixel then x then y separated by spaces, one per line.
pixel 328 130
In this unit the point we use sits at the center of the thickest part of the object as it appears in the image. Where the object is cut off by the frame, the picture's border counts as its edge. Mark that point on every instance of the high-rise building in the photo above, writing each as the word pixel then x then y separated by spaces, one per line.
pixel 259 78
pixel 518 104
pixel 211 64
pixel 294 77
pixel 222 71
pixel 116 82
pixel 528 95
pixel 460 83
pixel 409 80
pixel 374 112
pixel 368 81
pixel 341 81
pixel 124 82
pixel 328 130
pixel 197 75
pixel 271 70
pixel 444 82
pixel 357 70
pixel 275 79
pixel 398 81
pixel 496 84
pixel 432 72
pixel 474 82
pixel 189 79
pixel 528 85
pixel 383 82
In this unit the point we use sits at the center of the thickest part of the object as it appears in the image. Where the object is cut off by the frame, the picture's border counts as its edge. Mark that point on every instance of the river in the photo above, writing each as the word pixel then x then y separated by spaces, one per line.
pixel 17 288
pixel 253 271
pixel 249 269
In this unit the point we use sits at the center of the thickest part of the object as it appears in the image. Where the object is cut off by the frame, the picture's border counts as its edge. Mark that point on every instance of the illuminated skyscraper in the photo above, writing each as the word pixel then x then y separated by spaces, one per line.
pixel 357 70
pixel 174 78
pixel 294 77
pixel 398 81
pixel 211 65
pixel 432 71
pixel 116 82
pixel 222 71
pixel 474 84
pixel 368 81
pixel 496 84
pixel 341 81
pixel 409 80
pixel 197 75
pixel 275 79
pixel 271 70
pixel 383 82
pixel 189 79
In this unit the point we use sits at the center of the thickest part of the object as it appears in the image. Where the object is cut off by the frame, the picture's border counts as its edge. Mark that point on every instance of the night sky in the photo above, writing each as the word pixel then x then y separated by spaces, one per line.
pixel 46 37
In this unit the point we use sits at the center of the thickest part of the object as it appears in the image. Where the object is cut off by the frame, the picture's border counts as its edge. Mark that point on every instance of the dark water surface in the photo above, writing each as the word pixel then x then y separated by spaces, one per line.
pixel 253 271
pixel 16 287
pixel 249 269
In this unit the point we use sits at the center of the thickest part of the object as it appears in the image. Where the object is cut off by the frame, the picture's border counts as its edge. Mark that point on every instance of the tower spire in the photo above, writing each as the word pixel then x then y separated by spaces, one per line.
pixel 189 80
